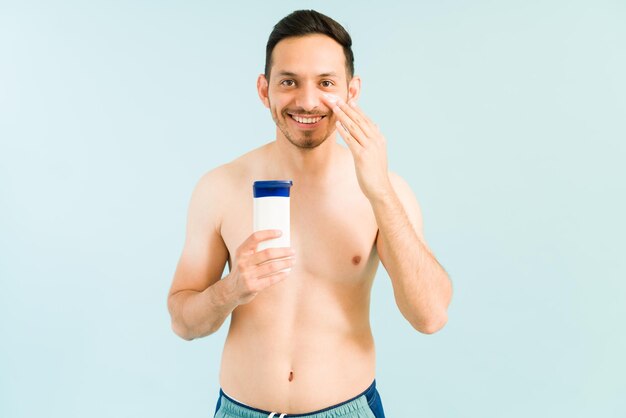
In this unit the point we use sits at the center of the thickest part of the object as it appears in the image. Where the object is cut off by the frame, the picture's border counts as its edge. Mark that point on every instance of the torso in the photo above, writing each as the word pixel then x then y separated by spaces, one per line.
pixel 305 343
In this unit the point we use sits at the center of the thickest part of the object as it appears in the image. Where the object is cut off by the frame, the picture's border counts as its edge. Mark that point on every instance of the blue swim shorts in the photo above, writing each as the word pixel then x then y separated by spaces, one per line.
pixel 365 405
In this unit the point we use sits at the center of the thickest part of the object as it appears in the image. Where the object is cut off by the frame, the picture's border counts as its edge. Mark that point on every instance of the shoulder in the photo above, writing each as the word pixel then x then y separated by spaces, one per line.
pixel 396 179
pixel 205 206
pixel 212 191
pixel 400 186
pixel 227 175
pixel 216 188
pixel 216 180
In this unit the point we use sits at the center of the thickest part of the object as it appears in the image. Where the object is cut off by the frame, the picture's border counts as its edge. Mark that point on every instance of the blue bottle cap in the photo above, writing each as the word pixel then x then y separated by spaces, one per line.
pixel 264 188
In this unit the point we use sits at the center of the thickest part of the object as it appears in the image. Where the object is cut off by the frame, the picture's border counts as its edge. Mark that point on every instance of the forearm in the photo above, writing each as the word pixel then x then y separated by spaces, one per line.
pixel 421 286
pixel 198 314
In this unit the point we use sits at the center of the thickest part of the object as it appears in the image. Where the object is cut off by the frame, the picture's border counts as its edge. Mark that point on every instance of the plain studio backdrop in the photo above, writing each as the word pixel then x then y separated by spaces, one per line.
pixel 507 119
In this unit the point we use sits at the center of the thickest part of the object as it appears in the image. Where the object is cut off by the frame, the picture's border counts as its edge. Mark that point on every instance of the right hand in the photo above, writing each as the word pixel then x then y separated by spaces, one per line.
pixel 255 271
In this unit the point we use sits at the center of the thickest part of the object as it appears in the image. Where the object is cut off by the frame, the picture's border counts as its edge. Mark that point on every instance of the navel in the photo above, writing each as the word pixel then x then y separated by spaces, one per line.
pixel 290 376
pixel 356 259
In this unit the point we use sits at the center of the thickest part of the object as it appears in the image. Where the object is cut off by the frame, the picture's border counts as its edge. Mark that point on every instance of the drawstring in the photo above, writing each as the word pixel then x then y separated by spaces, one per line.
pixel 274 413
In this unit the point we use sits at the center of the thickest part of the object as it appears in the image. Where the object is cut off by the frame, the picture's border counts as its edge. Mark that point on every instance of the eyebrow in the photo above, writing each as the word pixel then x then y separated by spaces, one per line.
pixel 291 74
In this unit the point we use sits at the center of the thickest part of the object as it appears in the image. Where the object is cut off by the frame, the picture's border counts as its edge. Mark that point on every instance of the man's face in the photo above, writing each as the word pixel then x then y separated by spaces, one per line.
pixel 304 68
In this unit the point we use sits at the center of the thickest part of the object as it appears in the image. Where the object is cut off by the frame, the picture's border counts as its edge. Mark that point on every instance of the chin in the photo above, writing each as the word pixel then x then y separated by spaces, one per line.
pixel 307 143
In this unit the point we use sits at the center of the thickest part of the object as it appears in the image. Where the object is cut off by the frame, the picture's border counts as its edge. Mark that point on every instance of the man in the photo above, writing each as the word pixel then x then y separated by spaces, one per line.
pixel 300 342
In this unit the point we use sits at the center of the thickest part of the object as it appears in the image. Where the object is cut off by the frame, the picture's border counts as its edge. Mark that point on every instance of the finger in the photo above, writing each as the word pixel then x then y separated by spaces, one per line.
pixel 255 238
pixel 357 109
pixel 349 124
pixel 358 117
pixel 352 143
pixel 272 279
pixel 331 100
pixel 273 267
pixel 271 254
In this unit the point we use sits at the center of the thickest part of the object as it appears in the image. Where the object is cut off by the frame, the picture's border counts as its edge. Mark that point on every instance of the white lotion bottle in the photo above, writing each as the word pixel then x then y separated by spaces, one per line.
pixel 271 211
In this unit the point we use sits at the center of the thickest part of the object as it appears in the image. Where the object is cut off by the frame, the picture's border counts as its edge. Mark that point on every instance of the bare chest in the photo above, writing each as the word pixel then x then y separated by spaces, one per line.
pixel 333 233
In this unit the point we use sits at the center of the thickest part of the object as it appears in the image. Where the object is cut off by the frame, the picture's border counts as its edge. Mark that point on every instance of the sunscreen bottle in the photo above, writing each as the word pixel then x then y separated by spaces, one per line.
pixel 271 211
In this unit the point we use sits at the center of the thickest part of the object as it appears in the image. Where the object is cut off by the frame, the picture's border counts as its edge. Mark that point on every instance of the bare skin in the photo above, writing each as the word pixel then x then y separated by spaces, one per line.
pixel 303 341
pixel 310 333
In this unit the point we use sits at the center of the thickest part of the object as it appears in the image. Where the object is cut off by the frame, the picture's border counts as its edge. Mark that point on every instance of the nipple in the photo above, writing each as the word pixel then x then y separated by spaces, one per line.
pixel 290 376
pixel 356 259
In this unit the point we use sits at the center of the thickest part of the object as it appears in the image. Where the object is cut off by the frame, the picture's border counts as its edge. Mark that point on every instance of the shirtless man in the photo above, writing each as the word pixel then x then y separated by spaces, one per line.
pixel 301 342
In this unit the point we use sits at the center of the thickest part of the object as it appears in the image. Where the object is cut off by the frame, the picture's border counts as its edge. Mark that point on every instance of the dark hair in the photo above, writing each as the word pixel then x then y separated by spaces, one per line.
pixel 308 22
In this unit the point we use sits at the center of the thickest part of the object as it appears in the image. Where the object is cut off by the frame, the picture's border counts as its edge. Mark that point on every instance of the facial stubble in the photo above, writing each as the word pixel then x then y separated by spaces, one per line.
pixel 308 140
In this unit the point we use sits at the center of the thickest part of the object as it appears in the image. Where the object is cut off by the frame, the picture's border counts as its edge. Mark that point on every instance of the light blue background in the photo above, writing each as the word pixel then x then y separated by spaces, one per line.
pixel 506 118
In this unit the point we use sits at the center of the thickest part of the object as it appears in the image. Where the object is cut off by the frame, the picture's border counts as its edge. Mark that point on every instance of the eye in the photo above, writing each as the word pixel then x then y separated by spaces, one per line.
pixel 287 81
pixel 329 83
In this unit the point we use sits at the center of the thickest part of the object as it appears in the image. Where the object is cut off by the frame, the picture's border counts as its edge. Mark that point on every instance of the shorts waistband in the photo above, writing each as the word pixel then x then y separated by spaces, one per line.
pixel 357 402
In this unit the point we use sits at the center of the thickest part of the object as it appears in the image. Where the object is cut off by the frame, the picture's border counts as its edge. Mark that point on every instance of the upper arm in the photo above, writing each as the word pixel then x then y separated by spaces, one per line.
pixel 204 253
pixel 410 204
pixel 411 208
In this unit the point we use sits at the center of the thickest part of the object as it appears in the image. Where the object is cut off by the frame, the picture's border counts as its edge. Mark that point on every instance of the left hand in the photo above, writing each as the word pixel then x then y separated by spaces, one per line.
pixel 367 144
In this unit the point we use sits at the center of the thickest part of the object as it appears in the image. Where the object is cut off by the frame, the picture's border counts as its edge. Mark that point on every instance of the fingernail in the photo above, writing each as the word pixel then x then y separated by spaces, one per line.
pixel 352 103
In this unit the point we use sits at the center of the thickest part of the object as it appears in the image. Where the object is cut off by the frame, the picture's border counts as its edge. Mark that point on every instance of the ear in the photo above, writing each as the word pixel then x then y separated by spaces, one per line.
pixel 354 88
pixel 262 89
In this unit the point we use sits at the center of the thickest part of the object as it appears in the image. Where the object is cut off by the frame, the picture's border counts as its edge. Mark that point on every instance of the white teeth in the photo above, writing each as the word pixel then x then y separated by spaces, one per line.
pixel 306 120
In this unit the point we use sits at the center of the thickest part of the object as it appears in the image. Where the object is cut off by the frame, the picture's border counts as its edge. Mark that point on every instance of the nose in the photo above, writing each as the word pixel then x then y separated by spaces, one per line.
pixel 308 97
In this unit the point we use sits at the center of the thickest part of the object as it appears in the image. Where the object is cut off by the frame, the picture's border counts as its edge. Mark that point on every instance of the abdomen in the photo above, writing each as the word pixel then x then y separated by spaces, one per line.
pixel 300 346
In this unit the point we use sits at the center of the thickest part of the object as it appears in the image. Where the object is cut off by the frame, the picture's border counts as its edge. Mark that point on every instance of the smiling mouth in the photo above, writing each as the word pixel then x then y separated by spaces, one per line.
pixel 307 120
